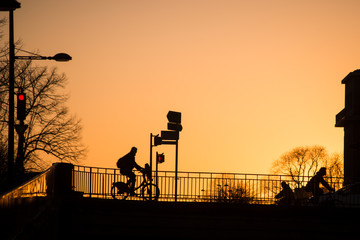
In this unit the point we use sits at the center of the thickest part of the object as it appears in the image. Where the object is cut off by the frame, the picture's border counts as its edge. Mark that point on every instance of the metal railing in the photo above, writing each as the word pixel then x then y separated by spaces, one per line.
pixel 66 179
pixel 195 186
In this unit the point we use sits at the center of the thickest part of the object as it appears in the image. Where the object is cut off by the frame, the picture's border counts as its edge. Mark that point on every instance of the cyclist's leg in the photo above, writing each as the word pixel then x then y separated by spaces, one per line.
pixel 126 172
pixel 131 181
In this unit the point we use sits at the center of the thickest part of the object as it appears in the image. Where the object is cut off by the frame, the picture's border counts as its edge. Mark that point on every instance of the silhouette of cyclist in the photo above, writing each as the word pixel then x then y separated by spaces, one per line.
pixel 313 185
pixel 286 196
pixel 127 164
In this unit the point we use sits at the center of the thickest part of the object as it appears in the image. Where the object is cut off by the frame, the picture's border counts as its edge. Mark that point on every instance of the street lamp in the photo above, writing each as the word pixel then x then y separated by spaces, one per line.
pixel 9 5
pixel 61 57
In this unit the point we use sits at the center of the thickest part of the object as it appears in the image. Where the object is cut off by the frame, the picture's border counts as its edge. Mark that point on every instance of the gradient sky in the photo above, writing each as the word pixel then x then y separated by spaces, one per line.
pixel 253 79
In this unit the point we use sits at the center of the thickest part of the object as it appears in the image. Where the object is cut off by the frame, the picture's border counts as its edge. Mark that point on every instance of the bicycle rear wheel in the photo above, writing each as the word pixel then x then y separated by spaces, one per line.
pixel 118 195
pixel 150 189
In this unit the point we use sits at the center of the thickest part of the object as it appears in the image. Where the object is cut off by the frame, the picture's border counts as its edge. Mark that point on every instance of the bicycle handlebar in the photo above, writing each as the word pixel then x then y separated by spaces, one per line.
pixel 146 172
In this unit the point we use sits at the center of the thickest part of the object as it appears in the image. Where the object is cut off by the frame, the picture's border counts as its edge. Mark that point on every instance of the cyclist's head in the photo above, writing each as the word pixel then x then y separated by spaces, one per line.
pixel 322 171
pixel 133 150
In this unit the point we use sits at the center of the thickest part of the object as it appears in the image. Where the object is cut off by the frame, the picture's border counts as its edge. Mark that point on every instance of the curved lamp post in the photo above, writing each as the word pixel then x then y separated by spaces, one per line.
pixel 59 57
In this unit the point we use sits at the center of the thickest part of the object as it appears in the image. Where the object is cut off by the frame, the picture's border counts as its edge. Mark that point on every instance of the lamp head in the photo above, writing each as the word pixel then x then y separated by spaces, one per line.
pixel 9 5
pixel 61 57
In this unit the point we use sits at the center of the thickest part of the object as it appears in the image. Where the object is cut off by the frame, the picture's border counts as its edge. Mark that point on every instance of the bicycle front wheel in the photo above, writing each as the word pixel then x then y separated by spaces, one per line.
pixel 117 195
pixel 150 192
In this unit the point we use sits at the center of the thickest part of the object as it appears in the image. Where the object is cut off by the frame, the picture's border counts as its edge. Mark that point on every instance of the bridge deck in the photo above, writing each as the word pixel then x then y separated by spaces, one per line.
pixel 104 218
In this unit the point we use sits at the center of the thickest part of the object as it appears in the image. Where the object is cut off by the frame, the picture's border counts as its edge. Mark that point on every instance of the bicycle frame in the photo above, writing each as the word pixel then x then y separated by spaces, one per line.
pixel 150 191
pixel 144 181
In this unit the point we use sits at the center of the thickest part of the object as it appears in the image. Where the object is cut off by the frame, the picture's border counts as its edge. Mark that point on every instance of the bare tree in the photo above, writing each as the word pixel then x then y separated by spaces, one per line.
pixel 234 193
pixel 226 188
pixel 51 129
pixel 303 162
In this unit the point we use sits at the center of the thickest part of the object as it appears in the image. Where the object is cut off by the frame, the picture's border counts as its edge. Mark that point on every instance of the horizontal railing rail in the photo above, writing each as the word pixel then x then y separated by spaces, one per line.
pixel 195 186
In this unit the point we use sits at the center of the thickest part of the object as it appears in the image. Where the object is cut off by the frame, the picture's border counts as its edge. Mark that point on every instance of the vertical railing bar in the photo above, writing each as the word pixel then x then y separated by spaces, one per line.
pixel 103 185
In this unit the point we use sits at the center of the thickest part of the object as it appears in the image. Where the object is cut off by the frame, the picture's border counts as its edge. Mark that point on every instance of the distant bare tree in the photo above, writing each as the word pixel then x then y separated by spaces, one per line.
pixel 51 129
pixel 233 194
pixel 227 189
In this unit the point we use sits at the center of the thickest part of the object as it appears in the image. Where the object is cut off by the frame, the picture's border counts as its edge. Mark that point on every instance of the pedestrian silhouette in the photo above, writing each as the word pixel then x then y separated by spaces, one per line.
pixel 286 195
pixel 127 164
pixel 313 185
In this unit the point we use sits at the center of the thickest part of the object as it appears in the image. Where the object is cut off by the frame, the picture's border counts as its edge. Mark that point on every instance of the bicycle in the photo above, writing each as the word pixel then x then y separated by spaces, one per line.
pixel 149 190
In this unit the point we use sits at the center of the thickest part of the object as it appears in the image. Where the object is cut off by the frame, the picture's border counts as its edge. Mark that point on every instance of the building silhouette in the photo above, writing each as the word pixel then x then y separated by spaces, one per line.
pixel 349 119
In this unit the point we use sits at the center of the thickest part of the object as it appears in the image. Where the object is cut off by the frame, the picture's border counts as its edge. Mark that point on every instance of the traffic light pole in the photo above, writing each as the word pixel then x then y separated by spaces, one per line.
pixel 19 163
pixel 151 146
pixel 151 165
pixel 176 168
pixel 157 169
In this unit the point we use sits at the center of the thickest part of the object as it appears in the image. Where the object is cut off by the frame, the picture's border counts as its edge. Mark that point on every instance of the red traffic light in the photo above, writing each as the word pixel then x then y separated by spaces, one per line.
pixel 160 158
pixel 21 106
pixel 21 97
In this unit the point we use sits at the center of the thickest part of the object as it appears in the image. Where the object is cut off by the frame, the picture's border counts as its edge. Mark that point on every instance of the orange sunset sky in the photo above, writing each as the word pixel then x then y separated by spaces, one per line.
pixel 253 79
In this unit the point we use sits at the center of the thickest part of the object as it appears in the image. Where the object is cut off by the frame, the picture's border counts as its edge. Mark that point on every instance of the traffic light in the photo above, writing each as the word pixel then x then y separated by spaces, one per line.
pixel 160 158
pixel 21 106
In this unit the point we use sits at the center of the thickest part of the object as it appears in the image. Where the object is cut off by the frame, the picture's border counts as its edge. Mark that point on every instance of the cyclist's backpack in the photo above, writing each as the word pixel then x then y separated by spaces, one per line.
pixel 123 162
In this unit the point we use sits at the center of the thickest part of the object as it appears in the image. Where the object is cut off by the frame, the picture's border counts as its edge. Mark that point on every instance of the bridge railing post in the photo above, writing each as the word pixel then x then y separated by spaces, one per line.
pixel 59 180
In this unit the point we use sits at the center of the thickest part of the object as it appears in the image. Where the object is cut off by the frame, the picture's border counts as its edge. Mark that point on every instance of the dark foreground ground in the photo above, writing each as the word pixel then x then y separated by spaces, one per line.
pixel 81 218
